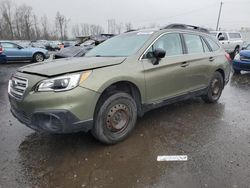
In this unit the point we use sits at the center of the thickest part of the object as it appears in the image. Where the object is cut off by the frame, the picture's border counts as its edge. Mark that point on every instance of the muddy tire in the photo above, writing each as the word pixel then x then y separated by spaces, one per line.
pixel 215 89
pixel 115 118
pixel 38 57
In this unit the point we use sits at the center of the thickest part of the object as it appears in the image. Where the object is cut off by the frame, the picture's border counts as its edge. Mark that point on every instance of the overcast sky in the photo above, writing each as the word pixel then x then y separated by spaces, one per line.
pixel 235 13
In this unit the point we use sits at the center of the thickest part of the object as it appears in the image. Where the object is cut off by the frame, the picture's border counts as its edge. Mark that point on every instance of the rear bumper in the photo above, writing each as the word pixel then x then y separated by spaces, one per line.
pixel 56 121
pixel 241 65
pixel 3 58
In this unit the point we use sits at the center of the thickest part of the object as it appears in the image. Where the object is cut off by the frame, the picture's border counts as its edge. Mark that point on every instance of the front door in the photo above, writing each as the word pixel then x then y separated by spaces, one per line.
pixel 167 79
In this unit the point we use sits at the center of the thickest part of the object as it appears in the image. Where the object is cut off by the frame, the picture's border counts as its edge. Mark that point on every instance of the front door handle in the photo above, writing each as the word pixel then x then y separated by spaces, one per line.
pixel 184 64
pixel 211 59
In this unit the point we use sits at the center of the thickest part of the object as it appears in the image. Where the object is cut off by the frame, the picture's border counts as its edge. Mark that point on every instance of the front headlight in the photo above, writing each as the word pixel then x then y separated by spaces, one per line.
pixel 237 57
pixel 63 83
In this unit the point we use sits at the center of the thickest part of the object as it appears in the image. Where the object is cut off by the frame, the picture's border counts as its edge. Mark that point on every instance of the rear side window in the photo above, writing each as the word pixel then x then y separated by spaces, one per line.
pixel 214 46
pixel 193 44
pixel 171 43
pixel 234 35
pixel 206 49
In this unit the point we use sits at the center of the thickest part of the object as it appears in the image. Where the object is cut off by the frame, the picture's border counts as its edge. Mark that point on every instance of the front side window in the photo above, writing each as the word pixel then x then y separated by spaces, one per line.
pixel 121 46
pixel 193 44
pixel 171 43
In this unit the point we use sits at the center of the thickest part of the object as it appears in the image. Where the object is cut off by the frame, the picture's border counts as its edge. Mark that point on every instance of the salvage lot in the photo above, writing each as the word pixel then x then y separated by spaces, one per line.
pixel 215 137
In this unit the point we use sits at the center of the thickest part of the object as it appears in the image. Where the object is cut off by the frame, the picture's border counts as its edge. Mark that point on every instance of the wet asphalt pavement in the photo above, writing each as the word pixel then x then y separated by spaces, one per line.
pixel 215 137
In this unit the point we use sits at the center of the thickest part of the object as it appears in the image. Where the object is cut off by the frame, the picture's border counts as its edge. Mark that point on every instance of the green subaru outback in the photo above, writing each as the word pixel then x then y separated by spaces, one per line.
pixel 117 81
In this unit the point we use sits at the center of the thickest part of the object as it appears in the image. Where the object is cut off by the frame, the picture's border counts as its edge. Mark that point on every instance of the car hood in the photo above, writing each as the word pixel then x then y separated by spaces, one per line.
pixel 245 53
pixel 70 65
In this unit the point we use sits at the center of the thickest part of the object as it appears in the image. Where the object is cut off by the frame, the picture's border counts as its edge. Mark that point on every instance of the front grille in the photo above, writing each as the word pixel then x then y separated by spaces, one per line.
pixel 244 58
pixel 17 87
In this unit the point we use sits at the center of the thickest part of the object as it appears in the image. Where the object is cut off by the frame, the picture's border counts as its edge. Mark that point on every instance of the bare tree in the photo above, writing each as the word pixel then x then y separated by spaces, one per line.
pixel 86 29
pixel 76 30
pixel 45 27
pixel 96 29
pixel 6 7
pixel 119 28
pixel 128 26
pixel 61 25
pixel 111 26
pixel 36 27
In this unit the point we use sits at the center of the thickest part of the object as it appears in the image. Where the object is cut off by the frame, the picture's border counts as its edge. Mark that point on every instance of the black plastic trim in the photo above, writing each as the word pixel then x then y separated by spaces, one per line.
pixel 55 121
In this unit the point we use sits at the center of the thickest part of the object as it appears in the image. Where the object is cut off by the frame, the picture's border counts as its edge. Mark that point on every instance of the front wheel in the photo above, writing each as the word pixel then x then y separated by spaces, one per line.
pixel 38 57
pixel 215 89
pixel 115 118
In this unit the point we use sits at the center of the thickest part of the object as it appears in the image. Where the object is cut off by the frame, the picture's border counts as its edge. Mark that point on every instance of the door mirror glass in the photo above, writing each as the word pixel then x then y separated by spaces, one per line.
pixel 158 54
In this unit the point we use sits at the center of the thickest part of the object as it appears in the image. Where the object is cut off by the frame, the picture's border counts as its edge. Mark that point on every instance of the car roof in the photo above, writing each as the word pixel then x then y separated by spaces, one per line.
pixel 173 28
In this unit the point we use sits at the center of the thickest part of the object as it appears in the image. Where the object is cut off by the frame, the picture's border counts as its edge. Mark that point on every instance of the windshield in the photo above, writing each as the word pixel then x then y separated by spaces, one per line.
pixel 121 46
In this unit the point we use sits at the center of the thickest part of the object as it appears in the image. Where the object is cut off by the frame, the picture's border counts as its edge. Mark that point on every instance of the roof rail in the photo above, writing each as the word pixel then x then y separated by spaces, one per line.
pixel 184 26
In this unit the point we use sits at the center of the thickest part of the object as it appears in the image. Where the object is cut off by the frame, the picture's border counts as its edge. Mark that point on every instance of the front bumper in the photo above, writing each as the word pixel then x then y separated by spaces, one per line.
pixel 241 65
pixel 59 121
pixel 56 112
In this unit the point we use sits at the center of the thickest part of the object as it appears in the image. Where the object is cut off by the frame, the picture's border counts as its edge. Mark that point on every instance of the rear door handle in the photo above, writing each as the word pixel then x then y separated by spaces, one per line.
pixel 211 59
pixel 184 64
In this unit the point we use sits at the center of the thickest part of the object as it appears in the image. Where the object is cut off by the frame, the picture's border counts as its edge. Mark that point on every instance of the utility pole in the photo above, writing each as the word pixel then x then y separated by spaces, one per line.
pixel 218 21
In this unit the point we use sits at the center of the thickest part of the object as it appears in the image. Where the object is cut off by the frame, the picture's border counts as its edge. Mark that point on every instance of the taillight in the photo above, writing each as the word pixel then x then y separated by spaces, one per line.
pixel 228 58
pixel 1 50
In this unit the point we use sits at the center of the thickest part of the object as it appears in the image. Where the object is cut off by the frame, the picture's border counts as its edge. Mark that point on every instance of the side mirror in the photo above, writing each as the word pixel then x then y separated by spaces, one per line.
pixel 19 47
pixel 243 48
pixel 158 55
pixel 221 37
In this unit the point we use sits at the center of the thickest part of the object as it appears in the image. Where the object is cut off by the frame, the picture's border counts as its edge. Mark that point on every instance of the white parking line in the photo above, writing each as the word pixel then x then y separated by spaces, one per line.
pixel 172 158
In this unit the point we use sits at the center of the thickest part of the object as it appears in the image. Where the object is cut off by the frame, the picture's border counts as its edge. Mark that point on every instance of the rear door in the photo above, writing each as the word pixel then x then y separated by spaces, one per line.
pixel 199 59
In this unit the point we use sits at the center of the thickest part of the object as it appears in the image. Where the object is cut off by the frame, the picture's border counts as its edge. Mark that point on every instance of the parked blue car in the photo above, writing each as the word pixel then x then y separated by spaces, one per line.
pixel 10 51
pixel 242 60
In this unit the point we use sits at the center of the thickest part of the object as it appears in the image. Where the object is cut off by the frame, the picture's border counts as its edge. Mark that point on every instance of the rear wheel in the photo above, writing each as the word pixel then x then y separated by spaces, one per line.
pixel 215 89
pixel 38 57
pixel 115 118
